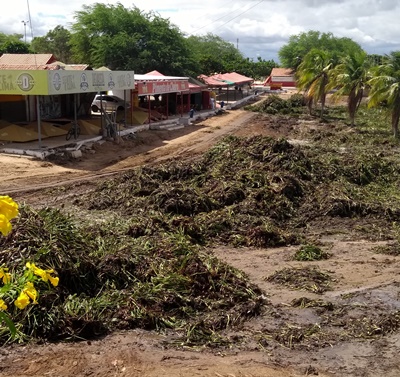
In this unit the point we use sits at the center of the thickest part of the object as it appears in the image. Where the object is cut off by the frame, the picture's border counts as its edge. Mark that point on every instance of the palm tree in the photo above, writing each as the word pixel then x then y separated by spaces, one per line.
pixel 351 77
pixel 385 87
pixel 313 76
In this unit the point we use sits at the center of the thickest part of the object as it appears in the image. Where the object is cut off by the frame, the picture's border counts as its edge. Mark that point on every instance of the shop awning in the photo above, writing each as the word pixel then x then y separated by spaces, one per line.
pixel 212 81
pixel 234 77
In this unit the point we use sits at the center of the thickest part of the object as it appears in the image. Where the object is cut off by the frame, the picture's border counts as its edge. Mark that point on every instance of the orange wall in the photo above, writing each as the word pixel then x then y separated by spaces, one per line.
pixel 11 98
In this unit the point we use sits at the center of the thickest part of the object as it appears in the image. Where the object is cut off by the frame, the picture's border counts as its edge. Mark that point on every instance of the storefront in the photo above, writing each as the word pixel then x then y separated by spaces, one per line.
pixel 47 92
pixel 156 97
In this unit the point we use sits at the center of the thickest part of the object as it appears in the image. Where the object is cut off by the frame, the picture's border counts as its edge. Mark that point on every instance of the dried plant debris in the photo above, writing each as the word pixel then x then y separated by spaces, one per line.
pixel 305 302
pixel 392 248
pixel 307 278
pixel 110 280
pixel 368 327
pixel 292 335
pixel 130 253
pixel 259 191
pixel 310 253
pixel 273 104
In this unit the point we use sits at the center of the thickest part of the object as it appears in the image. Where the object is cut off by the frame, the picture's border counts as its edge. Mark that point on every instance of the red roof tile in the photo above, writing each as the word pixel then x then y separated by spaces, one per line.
pixel 237 78
pixel 281 72
pixel 49 67
pixel 213 82
pixel 27 59
pixel 154 73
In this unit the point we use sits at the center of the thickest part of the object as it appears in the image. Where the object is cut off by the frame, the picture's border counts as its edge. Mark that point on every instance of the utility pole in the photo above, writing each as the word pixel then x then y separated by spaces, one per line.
pixel 25 23
pixel 237 44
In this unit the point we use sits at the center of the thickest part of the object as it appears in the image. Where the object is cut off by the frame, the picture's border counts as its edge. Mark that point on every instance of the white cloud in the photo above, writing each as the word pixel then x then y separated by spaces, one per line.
pixel 261 27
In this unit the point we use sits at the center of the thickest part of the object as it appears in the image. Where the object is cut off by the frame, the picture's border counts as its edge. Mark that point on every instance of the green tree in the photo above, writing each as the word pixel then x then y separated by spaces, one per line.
pixel 258 70
pixel 14 47
pixel 12 44
pixel 292 54
pixel 10 37
pixel 313 76
pixel 385 87
pixel 351 77
pixel 375 59
pixel 128 39
pixel 56 42
pixel 214 54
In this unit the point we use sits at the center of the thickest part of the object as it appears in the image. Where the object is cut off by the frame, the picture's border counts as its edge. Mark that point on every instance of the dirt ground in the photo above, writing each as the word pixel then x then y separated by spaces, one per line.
pixel 364 281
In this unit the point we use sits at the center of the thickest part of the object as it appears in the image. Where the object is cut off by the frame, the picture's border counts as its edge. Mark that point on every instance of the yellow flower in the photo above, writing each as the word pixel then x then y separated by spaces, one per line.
pixel 31 292
pixel 6 278
pixel 8 207
pixel 41 273
pixel 22 301
pixel 8 210
pixel 5 225
pixel 44 274
pixel 53 280
pixel 3 305
pixel 37 271
pixel 4 275
pixel 30 265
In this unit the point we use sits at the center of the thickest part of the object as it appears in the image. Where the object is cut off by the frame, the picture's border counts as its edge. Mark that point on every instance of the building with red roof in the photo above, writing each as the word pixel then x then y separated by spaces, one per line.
pixel 281 77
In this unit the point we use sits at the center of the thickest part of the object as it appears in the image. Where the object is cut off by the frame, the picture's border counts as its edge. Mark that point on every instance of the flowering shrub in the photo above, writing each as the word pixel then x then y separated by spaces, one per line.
pixel 8 210
pixel 18 288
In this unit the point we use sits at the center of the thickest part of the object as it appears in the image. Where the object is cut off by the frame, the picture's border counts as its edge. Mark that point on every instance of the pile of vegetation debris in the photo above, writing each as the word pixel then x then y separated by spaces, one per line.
pixel 274 104
pixel 110 281
pixel 132 252
pixel 259 191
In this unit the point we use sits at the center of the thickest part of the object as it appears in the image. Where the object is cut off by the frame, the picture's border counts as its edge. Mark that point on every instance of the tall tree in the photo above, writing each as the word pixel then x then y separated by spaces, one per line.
pixel 56 42
pixel 351 77
pixel 13 44
pixel 10 37
pixel 14 47
pixel 214 54
pixel 122 38
pixel 385 87
pixel 258 70
pixel 292 53
pixel 313 76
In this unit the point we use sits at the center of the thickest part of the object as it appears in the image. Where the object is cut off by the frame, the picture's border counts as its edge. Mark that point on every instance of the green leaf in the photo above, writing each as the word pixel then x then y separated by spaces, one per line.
pixel 10 324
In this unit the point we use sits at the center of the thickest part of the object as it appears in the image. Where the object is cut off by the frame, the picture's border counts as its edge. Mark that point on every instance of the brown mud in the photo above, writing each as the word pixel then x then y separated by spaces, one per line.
pixel 347 329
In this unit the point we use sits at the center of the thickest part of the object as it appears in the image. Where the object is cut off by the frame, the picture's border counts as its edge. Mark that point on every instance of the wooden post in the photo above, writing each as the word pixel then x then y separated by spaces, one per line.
pixel 149 107
pixel 181 104
pixel 167 105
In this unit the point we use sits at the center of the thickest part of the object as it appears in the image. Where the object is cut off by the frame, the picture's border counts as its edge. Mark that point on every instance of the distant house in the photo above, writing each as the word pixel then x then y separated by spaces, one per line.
pixel 13 61
pixel 281 77
pixel 221 80
pixel 23 108
pixel 36 62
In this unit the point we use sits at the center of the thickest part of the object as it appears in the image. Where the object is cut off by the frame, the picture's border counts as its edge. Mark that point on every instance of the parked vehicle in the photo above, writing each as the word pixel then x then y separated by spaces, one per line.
pixel 108 103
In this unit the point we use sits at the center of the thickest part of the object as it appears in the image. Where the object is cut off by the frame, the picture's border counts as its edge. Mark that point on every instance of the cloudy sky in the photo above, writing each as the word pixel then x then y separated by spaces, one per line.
pixel 257 28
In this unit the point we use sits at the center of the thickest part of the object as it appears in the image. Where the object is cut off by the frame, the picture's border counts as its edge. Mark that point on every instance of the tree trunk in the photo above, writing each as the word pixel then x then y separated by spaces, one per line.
pixel 323 93
pixel 353 102
pixel 323 98
pixel 395 122
pixel 309 101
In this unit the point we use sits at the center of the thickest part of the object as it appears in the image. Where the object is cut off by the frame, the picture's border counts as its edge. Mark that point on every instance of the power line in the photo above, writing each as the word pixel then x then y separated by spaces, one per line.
pixel 30 25
pixel 227 14
pixel 30 19
pixel 217 19
pixel 233 18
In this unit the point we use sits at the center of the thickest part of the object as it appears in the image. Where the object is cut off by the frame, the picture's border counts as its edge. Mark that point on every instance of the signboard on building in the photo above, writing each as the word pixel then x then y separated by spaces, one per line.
pixel 23 82
pixel 162 87
pixel 65 82
pixel 55 82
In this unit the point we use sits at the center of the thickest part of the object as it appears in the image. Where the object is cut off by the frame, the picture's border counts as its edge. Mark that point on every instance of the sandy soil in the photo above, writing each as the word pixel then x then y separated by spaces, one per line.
pixel 364 280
